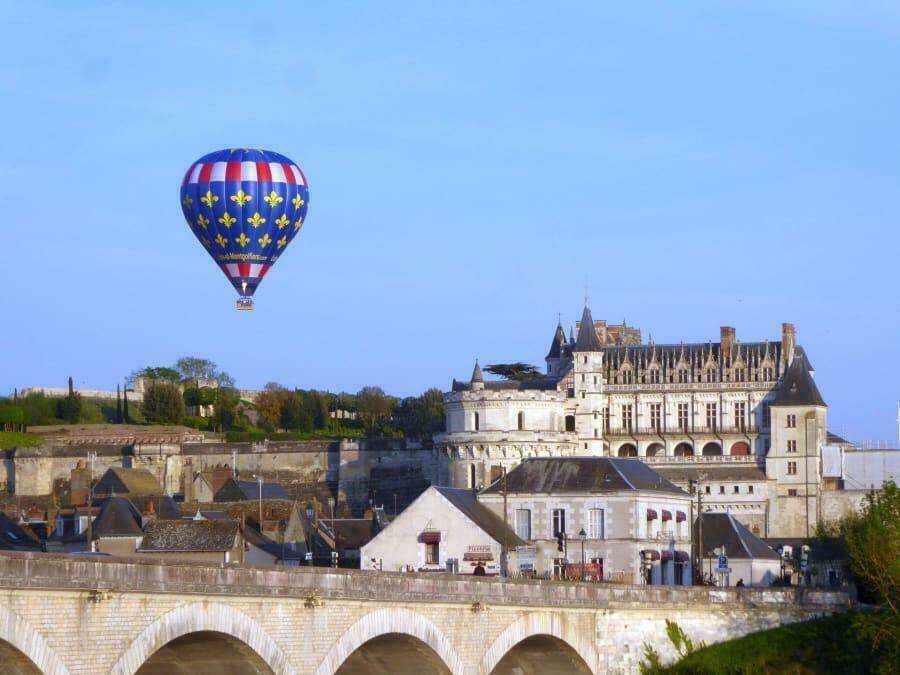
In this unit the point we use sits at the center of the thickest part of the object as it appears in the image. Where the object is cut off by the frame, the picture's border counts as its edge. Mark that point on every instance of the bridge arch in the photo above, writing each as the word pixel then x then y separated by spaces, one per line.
pixel 384 622
pixel 537 624
pixel 18 632
pixel 202 618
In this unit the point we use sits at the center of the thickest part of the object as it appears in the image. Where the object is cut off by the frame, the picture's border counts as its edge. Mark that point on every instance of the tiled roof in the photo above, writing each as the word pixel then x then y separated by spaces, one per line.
pixel 797 385
pixel 587 340
pixel 543 475
pixel 117 518
pixel 190 535
pixel 121 482
pixel 481 515
pixel 723 529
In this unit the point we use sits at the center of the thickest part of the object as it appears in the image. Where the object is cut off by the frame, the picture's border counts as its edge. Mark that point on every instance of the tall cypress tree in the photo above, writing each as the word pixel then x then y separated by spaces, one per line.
pixel 118 406
pixel 71 386
pixel 125 407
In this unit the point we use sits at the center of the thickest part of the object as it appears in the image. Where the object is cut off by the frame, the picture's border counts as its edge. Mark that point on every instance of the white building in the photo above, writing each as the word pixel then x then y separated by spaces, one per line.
pixel 748 559
pixel 444 529
pixel 636 525
pixel 744 420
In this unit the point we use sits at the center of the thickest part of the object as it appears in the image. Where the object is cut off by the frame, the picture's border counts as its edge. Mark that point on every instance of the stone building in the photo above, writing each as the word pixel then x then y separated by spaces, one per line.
pixel 744 420
pixel 634 526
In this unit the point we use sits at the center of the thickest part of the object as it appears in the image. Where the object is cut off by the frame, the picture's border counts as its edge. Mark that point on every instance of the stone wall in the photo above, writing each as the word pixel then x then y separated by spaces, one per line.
pixel 311 620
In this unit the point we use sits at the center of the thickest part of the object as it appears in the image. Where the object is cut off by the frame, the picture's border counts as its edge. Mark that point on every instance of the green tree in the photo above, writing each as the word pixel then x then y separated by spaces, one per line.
pixel 69 408
pixel 374 407
pixel 12 417
pixel 226 410
pixel 163 404
pixel 514 371
pixel 162 373
pixel 269 403
pixel 422 416
pixel 118 405
pixel 873 546
pixel 125 415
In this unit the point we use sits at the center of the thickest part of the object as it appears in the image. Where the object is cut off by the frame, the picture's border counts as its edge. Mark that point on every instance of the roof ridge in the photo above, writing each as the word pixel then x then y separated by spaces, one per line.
pixel 618 471
pixel 737 530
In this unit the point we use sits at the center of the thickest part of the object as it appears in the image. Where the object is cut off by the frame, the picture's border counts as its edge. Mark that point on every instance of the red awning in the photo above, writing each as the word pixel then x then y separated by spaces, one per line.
pixel 666 515
pixel 680 516
pixel 651 514
pixel 431 537
pixel 682 556
pixel 666 556
pixel 651 554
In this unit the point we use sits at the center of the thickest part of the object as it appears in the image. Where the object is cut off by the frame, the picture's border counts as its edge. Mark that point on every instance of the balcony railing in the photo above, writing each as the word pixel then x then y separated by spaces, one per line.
pixel 682 430
pixel 701 459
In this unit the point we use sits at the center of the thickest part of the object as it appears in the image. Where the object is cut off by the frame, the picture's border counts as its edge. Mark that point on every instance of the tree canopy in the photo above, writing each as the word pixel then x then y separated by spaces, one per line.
pixel 514 371
pixel 163 404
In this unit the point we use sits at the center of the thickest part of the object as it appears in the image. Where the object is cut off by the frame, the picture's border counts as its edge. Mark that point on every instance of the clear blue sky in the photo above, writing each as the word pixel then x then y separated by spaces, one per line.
pixel 473 167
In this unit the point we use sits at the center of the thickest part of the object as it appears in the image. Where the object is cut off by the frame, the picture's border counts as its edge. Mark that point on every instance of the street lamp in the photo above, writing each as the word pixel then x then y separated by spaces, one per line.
pixel 582 535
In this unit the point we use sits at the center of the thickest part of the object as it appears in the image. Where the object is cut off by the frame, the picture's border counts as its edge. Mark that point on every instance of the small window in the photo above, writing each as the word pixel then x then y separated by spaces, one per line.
pixel 585 359
pixel 523 523
pixel 737 489
pixel 432 554
pixel 708 490
pixel 750 489
pixel 559 522
pixel 475 421
pixel 521 420
pixel 792 468
pixel 472 483
pixel 721 489
pixel 792 446
pixel 792 492
pixel 570 422
pixel 595 524
pixel 791 421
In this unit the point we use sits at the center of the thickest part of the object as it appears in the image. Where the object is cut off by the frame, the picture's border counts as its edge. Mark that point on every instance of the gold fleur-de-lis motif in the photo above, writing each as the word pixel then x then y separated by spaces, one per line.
pixel 256 220
pixel 272 199
pixel 187 201
pixel 243 240
pixel 241 198
pixel 221 241
pixel 209 198
pixel 206 242
pixel 298 224
pixel 202 221
pixel 227 219
pixel 298 202
pixel 265 240
pixel 282 222
pixel 281 243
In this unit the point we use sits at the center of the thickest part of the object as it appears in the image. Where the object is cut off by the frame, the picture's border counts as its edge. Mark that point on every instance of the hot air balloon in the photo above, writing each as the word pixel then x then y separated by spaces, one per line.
pixel 245 207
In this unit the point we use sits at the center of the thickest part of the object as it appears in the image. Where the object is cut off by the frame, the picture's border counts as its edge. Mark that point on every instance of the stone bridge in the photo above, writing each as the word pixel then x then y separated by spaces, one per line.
pixel 81 615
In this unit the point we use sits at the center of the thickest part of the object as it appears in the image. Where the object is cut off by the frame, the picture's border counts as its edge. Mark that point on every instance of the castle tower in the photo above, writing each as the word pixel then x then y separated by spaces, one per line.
pixel 588 371
pixel 556 358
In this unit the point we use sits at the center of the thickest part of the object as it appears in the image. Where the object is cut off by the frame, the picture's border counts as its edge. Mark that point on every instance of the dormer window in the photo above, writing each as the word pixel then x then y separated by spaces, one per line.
pixel 682 375
pixel 739 375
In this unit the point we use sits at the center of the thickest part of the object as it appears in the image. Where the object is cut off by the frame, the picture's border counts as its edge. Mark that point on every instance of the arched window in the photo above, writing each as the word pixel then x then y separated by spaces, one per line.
pixel 475 421
pixel 521 420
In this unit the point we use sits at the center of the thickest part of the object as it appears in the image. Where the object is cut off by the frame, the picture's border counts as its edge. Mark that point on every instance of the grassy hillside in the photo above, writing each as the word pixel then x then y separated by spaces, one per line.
pixel 826 645
pixel 14 439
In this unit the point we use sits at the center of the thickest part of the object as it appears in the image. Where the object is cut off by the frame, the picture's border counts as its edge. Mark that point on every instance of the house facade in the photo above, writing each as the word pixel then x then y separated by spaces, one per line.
pixel 618 517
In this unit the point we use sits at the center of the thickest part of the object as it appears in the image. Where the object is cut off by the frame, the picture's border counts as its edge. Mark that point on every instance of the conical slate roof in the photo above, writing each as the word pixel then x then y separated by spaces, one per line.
pixel 559 339
pixel 476 374
pixel 587 340
pixel 797 386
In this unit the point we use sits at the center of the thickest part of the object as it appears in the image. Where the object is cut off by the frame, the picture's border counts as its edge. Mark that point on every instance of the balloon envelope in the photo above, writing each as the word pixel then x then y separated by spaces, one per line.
pixel 245 207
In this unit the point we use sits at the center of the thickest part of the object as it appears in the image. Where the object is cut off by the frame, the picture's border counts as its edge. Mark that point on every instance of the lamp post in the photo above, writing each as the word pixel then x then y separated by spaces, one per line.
pixel 582 535
pixel 334 554
pixel 310 511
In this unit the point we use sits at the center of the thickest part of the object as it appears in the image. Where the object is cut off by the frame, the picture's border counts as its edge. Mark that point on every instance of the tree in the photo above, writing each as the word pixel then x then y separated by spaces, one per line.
pixel 163 373
pixel 118 405
pixel 163 404
pixel 69 408
pixel 193 368
pixel 514 371
pixel 226 412
pixel 373 407
pixel 873 546
pixel 296 413
pixel 125 414
pixel 269 403
pixel 422 416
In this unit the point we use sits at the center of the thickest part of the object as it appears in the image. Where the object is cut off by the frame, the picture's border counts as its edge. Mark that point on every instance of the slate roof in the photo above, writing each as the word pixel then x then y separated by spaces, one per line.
pixel 14 538
pixel 587 340
pixel 797 386
pixel 545 475
pixel 190 535
pixel 354 532
pixel 248 490
pixel 117 518
pixel 709 473
pixel 723 529
pixel 541 384
pixel 481 515
pixel 557 346
pixel 118 481
pixel 834 439
pixel 477 375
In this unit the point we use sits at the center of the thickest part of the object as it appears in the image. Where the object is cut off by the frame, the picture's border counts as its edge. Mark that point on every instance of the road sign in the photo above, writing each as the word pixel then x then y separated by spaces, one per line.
pixel 723 562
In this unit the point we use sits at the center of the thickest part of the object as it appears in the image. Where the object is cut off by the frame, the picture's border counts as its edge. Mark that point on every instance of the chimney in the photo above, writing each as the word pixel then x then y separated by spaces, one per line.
pixel 788 342
pixel 726 339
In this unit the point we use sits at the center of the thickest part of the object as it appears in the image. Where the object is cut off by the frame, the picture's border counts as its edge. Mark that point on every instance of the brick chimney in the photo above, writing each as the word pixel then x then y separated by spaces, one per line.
pixel 726 339
pixel 788 342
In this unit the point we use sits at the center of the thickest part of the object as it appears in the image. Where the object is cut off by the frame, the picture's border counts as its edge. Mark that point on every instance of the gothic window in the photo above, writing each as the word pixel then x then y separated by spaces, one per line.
pixel 682 375
pixel 626 416
pixel 683 416
pixel 739 375
pixel 654 376
pixel 767 374
pixel 628 377
pixel 656 416
pixel 710 375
